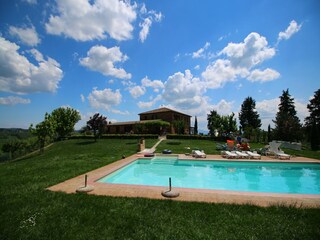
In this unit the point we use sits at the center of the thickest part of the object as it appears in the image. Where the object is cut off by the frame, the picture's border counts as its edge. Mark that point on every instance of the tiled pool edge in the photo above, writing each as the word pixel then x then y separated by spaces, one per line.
pixel 196 195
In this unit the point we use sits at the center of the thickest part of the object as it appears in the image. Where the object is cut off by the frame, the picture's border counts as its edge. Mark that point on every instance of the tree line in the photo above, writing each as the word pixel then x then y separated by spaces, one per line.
pixel 287 126
pixel 59 124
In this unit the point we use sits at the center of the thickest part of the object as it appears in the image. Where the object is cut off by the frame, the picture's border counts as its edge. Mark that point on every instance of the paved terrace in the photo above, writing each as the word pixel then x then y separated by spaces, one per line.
pixel 194 195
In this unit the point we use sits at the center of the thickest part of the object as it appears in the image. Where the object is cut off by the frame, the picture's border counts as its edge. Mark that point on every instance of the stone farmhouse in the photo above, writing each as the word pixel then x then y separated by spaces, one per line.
pixel 158 121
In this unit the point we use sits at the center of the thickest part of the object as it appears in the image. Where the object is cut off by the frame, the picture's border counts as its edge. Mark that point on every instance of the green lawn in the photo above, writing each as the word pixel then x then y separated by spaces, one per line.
pixel 28 211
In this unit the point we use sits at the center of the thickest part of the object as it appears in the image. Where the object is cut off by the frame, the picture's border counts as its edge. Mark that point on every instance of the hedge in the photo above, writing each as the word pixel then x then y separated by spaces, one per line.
pixel 117 136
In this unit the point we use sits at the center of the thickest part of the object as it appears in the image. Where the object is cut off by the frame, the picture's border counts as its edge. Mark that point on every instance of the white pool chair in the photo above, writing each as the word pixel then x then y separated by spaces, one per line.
pixel 241 154
pixel 253 155
pixel 228 154
pixel 275 149
pixel 198 154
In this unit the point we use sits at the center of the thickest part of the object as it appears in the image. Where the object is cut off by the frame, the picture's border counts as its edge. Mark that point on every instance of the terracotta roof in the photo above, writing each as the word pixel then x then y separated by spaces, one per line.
pixel 163 109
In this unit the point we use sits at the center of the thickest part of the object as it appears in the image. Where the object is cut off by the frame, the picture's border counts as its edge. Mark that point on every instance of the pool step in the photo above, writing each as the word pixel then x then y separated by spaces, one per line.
pixel 168 161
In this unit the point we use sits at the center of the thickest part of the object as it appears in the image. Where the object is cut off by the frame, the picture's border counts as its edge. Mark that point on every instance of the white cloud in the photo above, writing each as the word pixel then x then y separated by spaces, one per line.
pixel 252 51
pixel 27 36
pixel 116 111
pixel 155 84
pixel 157 16
pixel 291 29
pixel 12 100
pixel 137 91
pixel 263 76
pixel 30 1
pixel 218 73
pixel 197 67
pixel 83 21
pixel 143 9
pixel 240 59
pixel 19 75
pixel 104 99
pixel 183 90
pixel 223 107
pixel 83 99
pixel 102 59
pixel 150 103
pixel 201 52
pixel 145 27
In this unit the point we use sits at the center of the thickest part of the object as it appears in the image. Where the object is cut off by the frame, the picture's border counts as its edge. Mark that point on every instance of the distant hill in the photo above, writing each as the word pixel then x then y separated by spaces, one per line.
pixel 9 133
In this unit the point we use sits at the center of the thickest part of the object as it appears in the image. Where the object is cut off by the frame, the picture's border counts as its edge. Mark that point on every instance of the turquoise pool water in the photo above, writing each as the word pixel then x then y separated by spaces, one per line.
pixel 299 178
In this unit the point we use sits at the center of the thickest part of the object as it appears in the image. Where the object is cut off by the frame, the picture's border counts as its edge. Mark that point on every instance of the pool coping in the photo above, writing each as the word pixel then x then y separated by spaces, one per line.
pixel 188 194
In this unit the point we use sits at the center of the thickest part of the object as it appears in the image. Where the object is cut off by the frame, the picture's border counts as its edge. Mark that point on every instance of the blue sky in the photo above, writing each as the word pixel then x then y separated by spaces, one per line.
pixel 121 58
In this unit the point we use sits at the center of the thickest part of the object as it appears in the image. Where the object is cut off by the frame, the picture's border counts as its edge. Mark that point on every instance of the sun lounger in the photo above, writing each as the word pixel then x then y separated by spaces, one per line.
pixel 275 149
pixel 253 155
pixel 241 154
pixel 228 154
pixel 282 155
pixel 198 154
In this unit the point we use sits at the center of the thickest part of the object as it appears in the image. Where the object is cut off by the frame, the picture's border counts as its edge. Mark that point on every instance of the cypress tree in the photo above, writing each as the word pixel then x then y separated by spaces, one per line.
pixel 312 122
pixel 196 126
pixel 287 124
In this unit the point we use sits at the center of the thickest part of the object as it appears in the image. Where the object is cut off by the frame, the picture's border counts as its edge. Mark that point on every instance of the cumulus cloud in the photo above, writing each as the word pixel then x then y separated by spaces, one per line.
pixel 223 107
pixel 137 91
pixel 183 90
pixel 263 76
pixel 149 104
pixel 291 29
pixel 240 59
pixel 148 18
pixel 12 100
pixel 201 52
pixel 221 71
pixel 102 59
pixel 19 75
pixel 27 36
pixel 85 20
pixel 104 99
pixel 155 84
pixel 252 51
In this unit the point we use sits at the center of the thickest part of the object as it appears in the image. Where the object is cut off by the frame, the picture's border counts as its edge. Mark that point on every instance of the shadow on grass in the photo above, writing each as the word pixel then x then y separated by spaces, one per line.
pixel 131 143
pixel 86 143
pixel 173 143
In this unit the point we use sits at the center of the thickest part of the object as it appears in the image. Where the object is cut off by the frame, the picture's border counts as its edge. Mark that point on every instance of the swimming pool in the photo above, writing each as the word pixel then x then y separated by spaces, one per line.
pixel 274 177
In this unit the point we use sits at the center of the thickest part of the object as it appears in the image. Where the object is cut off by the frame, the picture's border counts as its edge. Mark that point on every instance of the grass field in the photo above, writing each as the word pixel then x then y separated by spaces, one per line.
pixel 29 211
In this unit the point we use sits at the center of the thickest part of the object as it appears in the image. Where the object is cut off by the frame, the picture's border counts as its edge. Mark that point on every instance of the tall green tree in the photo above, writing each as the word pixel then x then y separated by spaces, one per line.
pixel 214 122
pixel 287 124
pixel 249 117
pixel 312 122
pixel 44 131
pixel 224 125
pixel 196 126
pixel 97 123
pixel 64 119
